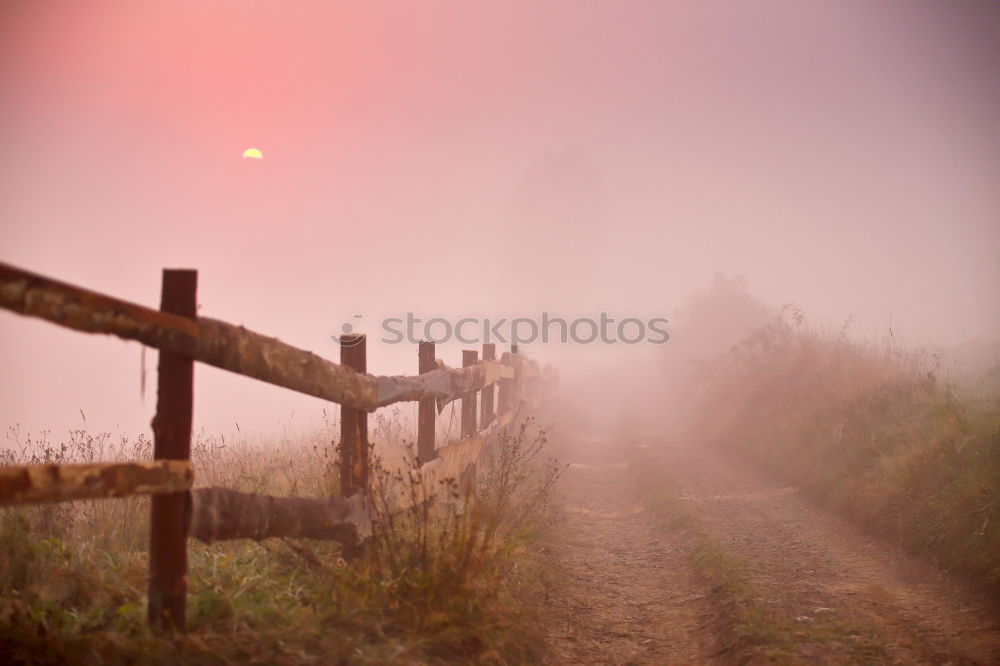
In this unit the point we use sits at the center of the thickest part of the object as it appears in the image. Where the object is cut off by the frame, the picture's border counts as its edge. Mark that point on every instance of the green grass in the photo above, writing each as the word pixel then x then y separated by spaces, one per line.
pixel 454 582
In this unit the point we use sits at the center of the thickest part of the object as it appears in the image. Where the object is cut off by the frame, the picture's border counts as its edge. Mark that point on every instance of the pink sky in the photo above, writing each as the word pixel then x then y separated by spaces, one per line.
pixel 487 159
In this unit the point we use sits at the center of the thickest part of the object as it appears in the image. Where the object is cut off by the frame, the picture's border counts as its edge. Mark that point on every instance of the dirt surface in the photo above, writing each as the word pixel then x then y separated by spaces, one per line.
pixel 626 589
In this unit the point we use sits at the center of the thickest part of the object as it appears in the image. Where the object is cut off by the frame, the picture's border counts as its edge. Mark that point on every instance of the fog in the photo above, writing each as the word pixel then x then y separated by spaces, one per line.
pixel 494 161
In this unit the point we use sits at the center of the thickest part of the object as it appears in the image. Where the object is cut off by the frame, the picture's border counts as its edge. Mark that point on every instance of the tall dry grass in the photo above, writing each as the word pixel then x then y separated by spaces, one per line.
pixel 869 428
pixel 448 580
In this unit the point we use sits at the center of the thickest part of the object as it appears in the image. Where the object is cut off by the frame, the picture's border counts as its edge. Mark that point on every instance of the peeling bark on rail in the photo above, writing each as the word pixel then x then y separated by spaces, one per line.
pixel 443 385
pixel 270 360
pixel 36 484
pixel 231 347
pixel 220 514
pixel 217 343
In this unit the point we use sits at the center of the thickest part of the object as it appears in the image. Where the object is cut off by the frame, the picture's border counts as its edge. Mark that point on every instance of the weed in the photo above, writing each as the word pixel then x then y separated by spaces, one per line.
pixel 442 581
pixel 870 430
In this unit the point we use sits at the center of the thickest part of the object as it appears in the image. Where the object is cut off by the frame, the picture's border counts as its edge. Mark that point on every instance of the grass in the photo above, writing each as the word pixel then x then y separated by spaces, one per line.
pixel 449 581
pixel 872 431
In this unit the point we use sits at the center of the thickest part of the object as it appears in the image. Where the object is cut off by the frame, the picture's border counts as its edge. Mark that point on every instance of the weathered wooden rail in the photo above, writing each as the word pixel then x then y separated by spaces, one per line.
pixel 214 514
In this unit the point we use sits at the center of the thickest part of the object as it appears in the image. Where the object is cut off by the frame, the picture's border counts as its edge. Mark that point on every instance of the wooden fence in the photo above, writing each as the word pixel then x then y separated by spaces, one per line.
pixel 211 514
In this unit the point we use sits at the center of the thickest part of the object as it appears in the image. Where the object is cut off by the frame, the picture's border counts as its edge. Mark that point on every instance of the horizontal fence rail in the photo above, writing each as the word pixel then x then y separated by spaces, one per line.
pixel 35 484
pixel 179 512
pixel 220 514
pixel 232 347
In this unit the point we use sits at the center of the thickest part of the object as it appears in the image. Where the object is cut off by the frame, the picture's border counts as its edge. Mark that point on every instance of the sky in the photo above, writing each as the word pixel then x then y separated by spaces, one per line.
pixel 485 159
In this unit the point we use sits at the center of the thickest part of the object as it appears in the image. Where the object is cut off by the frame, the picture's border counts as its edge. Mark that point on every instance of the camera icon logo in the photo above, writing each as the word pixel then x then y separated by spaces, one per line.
pixel 347 336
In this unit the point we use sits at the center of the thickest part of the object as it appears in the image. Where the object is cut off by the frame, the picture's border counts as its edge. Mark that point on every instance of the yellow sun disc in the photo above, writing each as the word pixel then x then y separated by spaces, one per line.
pixel 253 154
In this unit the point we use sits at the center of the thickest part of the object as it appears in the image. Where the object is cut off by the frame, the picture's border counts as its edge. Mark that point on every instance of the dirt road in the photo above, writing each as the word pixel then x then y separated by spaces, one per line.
pixel 627 589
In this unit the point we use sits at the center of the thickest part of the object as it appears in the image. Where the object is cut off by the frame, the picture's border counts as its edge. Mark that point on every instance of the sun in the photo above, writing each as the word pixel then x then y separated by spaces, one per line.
pixel 253 154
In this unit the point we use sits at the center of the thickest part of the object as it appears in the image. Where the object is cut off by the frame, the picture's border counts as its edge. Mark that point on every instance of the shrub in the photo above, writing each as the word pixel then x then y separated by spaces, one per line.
pixel 869 429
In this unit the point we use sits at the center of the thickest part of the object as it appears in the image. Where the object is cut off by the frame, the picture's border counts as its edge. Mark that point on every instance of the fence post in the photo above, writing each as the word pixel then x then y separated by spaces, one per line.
pixel 515 392
pixel 425 413
pixel 469 357
pixel 172 441
pixel 486 413
pixel 503 394
pixel 353 423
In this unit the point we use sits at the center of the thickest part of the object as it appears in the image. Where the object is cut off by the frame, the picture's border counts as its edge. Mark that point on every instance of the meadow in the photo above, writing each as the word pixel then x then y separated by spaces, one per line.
pixel 869 428
pixel 451 579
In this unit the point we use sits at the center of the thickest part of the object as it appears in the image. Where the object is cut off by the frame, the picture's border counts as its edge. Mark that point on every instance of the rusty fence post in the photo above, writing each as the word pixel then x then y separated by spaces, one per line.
pixel 425 414
pixel 353 423
pixel 486 408
pixel 469 357
pixel 504 391
pixel 172 441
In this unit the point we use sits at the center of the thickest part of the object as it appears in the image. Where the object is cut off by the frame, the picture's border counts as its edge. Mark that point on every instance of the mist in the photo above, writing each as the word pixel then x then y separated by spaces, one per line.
pixel 490 161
